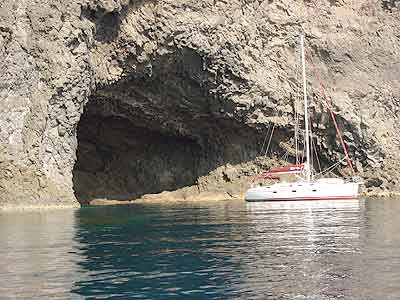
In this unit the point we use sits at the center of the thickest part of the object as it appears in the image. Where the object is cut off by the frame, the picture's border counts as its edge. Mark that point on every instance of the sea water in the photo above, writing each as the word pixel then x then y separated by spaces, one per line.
pixel 204 250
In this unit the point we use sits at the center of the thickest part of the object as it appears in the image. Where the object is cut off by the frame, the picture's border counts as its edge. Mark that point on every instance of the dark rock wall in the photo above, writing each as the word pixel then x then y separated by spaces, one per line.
pixel 208 76
pixel 117 160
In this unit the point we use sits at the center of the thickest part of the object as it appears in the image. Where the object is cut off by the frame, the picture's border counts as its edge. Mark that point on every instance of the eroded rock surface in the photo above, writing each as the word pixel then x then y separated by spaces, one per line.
pixel 118 99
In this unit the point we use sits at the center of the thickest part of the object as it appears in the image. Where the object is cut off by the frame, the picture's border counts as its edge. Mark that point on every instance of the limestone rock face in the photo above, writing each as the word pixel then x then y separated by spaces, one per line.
pixel 117 99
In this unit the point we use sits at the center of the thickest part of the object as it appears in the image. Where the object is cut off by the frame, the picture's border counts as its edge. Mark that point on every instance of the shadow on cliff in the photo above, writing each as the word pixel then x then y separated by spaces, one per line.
pixel 118 160
pixel 159 130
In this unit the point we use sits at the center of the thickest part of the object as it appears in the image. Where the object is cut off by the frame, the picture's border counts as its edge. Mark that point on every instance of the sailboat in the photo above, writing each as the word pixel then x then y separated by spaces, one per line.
pixel 307 187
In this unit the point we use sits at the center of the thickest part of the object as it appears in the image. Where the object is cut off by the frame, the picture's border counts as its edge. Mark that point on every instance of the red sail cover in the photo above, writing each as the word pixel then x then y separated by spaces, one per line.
pixel 290 169
pixel 274 173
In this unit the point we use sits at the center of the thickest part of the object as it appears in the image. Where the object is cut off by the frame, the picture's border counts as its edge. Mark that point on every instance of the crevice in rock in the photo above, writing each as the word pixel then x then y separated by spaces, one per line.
pixel 107 23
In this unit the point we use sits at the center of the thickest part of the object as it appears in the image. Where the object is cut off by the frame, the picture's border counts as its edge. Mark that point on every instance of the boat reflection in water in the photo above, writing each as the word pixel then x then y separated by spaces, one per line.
pixel 305 205
pixel 305 249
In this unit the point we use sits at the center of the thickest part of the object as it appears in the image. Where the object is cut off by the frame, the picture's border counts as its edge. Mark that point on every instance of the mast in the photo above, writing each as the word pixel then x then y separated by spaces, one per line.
pixel 307 134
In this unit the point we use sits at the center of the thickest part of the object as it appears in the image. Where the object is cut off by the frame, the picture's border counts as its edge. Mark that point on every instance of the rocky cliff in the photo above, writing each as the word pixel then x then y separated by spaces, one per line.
pixel 117 99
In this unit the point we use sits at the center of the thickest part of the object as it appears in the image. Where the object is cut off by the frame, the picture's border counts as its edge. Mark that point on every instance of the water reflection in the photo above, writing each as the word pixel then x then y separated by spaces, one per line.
pixel 224 250
pixel 305 249
pixel 152 252
pixel 39 258
pixel 380 261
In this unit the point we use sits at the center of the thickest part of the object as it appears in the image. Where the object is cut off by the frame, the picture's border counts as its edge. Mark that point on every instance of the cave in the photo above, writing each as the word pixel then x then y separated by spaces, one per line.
pixel 159 129
pixel 119 160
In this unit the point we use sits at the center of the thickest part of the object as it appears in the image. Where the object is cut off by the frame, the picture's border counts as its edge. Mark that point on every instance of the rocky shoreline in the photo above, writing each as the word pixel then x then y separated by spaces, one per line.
pixel 39 207
pixel 169 198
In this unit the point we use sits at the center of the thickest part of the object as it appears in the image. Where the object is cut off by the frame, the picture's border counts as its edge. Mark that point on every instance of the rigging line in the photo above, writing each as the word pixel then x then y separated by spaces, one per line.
pixel 303 154
pixel 296 115
pixel 296 133
pixel 332 114
pixel 331 168
pixel 296 108
pixel 313 145
pixel 327 171
pixel 265 139
pixel 316 155
pixel 311 148
pixel 295 143
pixel 284 156
pixel 270 139
pixel 323 103
pixel 266 136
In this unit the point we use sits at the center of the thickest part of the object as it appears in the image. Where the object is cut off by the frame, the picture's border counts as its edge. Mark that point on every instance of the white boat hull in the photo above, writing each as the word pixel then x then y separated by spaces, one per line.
pixel 300 191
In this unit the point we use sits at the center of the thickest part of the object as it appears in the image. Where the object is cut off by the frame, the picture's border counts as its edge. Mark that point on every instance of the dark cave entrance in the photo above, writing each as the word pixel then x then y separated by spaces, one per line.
pixel 119 160
pixel 122 156
pixel 157 130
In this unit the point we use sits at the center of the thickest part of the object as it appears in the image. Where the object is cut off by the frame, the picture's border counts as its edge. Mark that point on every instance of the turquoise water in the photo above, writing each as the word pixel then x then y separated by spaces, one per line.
pixel 221 250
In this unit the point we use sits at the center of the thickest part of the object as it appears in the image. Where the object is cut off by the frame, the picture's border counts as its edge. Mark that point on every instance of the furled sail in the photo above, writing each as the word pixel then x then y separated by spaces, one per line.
pixel 274 173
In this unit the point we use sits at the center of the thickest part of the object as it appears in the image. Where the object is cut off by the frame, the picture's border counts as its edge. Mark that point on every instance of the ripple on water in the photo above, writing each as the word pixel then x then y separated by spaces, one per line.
pixel 229 250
